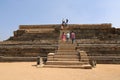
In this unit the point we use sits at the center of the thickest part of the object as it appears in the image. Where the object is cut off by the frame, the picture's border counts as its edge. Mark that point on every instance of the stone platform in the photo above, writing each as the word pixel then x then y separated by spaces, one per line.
pixel 101 42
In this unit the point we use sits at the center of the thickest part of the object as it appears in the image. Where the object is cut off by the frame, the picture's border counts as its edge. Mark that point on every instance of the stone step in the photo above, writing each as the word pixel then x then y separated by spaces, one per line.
pixel 69 42
pixel 85 66
pixel 66 48
pixel 106 57
pixel 50 57
pixel 83 54
pixel 103 54
pixel 66 63
pixel 84 60
pixel 84 57
pixel 66 53
pixel 67 56
pixel 66 42
pixel 73 51
pixel 63 59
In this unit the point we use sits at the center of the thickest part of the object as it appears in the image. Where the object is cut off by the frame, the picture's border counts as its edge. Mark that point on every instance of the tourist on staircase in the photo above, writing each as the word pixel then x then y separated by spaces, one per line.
pixel 63 37
pixel 67 36
pixel 72 37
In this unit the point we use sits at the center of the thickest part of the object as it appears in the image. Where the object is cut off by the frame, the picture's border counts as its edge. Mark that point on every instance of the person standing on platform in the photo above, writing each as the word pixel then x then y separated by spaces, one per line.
pixel 66 22
pixel 67 36
pixel 63 22
pixel 63 37
pixel 72 37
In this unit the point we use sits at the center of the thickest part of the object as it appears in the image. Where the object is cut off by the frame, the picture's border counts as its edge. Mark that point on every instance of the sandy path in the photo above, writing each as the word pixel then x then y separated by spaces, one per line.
pixel 27 71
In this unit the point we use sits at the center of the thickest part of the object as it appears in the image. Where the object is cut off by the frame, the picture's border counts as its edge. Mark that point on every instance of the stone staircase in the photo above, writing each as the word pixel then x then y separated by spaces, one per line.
pixel 67 56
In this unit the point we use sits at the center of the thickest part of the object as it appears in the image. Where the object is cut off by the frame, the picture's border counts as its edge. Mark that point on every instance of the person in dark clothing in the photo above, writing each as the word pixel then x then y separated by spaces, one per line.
pixel 72 35
pixel 63 22
pixel 66 23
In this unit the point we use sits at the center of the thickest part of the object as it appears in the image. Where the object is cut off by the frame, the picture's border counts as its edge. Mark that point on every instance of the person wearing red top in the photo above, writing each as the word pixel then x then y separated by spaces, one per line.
pixel 63 37
pixel 72 37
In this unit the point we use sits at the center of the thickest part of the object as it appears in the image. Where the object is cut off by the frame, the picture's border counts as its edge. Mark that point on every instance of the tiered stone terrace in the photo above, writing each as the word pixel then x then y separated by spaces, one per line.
pixel 101 42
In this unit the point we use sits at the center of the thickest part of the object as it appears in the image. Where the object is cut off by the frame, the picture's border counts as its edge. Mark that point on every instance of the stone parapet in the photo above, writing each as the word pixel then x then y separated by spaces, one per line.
pixel 40 30
pixel 90 26
pixel 81 26
pixel 38 26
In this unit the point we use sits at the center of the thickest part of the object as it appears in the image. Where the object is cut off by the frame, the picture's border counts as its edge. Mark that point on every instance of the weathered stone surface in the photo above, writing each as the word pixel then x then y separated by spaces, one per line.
pixel 100 41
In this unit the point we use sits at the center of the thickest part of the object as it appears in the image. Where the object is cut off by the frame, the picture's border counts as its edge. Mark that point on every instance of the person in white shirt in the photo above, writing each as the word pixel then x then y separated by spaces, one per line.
pixel 67 36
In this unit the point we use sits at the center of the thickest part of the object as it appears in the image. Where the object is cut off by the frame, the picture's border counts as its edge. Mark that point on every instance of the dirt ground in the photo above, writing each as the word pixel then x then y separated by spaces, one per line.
pixel 28 71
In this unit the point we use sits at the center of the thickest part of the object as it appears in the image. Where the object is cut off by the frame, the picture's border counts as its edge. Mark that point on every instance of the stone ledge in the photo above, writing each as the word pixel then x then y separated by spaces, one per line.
pixel 87 66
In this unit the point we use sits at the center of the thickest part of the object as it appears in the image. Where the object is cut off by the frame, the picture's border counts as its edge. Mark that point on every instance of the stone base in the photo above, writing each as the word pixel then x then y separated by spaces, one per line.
pixel 86 66
pixel 69 66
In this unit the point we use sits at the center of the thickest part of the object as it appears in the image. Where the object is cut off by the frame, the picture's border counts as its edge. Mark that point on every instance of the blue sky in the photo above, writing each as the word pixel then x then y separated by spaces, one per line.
pixel 19 12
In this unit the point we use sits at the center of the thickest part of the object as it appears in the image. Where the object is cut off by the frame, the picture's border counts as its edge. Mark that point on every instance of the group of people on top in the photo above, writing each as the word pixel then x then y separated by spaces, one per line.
pixel 64 23
pixel 67 36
